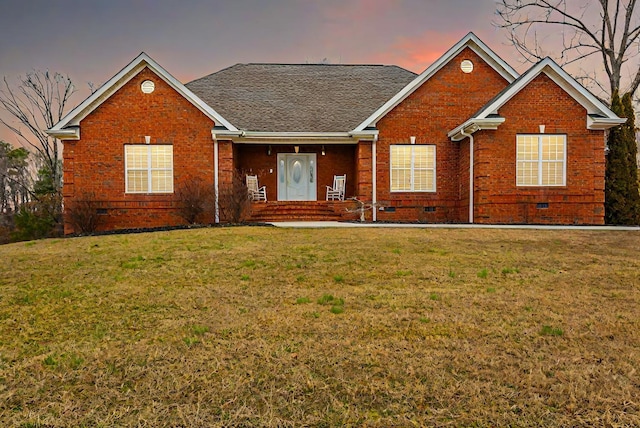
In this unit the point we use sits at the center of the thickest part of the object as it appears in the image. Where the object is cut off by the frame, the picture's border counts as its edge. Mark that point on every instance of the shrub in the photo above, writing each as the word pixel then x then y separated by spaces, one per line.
pixel 82 213
pixel 233 199
pixel 196 198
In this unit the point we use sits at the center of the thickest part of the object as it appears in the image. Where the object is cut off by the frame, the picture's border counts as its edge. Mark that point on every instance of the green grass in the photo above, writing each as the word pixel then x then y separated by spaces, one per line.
pixel 277 327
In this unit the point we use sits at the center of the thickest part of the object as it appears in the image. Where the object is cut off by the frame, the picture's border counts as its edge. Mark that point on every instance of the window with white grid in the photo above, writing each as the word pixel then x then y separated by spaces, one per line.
pixel 148 169
pixel 541 160
pixel 413 168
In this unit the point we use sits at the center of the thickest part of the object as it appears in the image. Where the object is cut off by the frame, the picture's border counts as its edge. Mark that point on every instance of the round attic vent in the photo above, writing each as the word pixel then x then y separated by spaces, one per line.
pixel 147 86
pixel 466 66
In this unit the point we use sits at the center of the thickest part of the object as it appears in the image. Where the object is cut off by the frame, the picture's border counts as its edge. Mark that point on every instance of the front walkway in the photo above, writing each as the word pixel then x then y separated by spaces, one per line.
pixel 323 224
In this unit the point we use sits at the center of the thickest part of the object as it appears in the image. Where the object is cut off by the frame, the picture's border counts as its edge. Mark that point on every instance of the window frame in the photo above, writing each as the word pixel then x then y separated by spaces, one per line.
pixel 540 161
pixel 412 169
pixel 149 169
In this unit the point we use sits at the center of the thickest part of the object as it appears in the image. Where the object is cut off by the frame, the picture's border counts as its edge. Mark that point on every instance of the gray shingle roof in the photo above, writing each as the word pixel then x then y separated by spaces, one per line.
pixel 299 97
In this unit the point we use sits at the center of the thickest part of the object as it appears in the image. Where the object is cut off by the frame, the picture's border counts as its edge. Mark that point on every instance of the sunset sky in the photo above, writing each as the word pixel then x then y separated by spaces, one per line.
pixel 91 41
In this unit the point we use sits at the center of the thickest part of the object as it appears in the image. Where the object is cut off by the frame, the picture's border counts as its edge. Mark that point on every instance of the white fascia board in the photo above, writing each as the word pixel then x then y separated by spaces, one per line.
pixel 474 124
pixel 74 117
pixel 578 92
pixel 471 41
pixel 258 137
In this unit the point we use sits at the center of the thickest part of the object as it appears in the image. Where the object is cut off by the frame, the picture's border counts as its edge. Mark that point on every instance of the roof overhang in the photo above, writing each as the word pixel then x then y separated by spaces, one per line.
pixel 70 133
pixel 263 137
pixel 72 119
pixel 475 124
pixel 601 122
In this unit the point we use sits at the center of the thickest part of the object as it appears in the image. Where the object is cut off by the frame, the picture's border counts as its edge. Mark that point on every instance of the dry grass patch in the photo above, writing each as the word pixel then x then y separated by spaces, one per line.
pixel 277 327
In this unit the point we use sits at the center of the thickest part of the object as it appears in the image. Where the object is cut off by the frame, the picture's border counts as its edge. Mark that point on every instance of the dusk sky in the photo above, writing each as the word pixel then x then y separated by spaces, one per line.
pixel 91 41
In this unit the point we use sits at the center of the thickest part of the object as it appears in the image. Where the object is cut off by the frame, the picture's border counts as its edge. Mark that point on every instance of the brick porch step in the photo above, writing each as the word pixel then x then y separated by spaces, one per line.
pixel 300 211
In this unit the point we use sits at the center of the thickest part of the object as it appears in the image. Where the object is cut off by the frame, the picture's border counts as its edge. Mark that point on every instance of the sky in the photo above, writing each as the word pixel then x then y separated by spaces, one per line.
pixel 92 40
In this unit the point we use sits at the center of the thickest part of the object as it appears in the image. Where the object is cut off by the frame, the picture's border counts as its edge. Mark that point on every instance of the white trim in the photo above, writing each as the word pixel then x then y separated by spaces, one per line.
pixel 215 179
pixel 65 134
pixel 471 41
pixel 300 138
pixel 142 61
pixel 474 124
pixel 471 177
pixel 374 177
pixel 603 122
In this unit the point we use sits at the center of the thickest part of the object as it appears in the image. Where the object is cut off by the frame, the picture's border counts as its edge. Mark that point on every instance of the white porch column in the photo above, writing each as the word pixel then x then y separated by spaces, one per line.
pixel 374 183
pixel 215 177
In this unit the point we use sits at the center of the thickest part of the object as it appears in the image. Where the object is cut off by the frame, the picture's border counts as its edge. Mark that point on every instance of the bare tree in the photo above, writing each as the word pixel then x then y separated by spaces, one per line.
pixel 606 30
pixel 35 104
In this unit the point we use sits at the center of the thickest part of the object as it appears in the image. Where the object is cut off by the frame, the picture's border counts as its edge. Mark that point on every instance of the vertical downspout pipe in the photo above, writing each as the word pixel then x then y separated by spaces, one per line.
pixel 470 174
pixel 215 177
pixel 374 178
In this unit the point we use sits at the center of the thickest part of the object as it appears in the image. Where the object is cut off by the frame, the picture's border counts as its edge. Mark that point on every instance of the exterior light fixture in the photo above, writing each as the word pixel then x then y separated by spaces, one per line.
pixel 412 139
pixel 147 139
pixel 541 129
pixel 269 151
pixel 296 148
pixel 323 152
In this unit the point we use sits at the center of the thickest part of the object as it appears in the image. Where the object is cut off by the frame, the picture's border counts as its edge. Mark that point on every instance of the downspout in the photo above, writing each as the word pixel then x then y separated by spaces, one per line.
pixel 374 181
pixel 215 176
pixel 470 173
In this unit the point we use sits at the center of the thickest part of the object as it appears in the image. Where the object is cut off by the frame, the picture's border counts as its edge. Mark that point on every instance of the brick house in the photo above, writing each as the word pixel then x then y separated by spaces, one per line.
pixel 467 140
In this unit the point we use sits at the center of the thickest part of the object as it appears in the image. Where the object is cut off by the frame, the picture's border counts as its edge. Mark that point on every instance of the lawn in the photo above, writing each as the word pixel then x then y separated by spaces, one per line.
pixel 258 326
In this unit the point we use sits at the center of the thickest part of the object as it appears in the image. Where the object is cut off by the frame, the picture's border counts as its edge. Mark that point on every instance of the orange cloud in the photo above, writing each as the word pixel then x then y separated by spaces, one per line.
pixel 417 53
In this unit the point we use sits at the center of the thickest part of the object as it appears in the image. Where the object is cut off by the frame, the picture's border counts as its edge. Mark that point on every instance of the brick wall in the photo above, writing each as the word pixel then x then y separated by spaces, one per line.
pixel 443 102
pixel 498 200
pixel 94 165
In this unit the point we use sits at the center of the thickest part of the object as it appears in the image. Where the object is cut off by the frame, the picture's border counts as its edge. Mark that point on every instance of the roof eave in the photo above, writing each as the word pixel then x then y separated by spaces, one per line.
pixel 257 137
pixel 71 133
pixel 475 124
pixel 603 123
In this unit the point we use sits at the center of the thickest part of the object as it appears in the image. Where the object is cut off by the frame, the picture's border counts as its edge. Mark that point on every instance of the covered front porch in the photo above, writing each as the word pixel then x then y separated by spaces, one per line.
pixel 302 172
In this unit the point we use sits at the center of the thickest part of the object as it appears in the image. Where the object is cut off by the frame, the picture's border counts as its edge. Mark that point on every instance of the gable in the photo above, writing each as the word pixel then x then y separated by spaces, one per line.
pixel 129 114
pixel 68 127
pixel 598 115
pixel 448 97
pixel 470 41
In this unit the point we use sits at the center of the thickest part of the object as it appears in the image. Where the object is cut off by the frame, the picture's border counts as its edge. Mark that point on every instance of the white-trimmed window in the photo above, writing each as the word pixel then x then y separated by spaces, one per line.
pixel 541 160
pixel 413 168
pixel 148 168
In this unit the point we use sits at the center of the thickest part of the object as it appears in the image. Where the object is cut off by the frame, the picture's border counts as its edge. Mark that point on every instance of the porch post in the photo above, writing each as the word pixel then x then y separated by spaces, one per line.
pixel 215 177
pixel 374 179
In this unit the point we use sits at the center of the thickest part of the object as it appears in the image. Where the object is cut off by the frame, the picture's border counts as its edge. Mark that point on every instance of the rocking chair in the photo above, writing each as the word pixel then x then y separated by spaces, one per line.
pixel 336 193
pixel 256 193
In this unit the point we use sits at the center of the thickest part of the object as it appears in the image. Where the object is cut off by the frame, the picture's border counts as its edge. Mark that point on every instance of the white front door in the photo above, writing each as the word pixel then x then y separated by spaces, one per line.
pixel 297 177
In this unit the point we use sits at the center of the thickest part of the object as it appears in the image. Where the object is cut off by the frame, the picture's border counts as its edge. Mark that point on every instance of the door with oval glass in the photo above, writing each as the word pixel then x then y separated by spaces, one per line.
pixel 297 177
